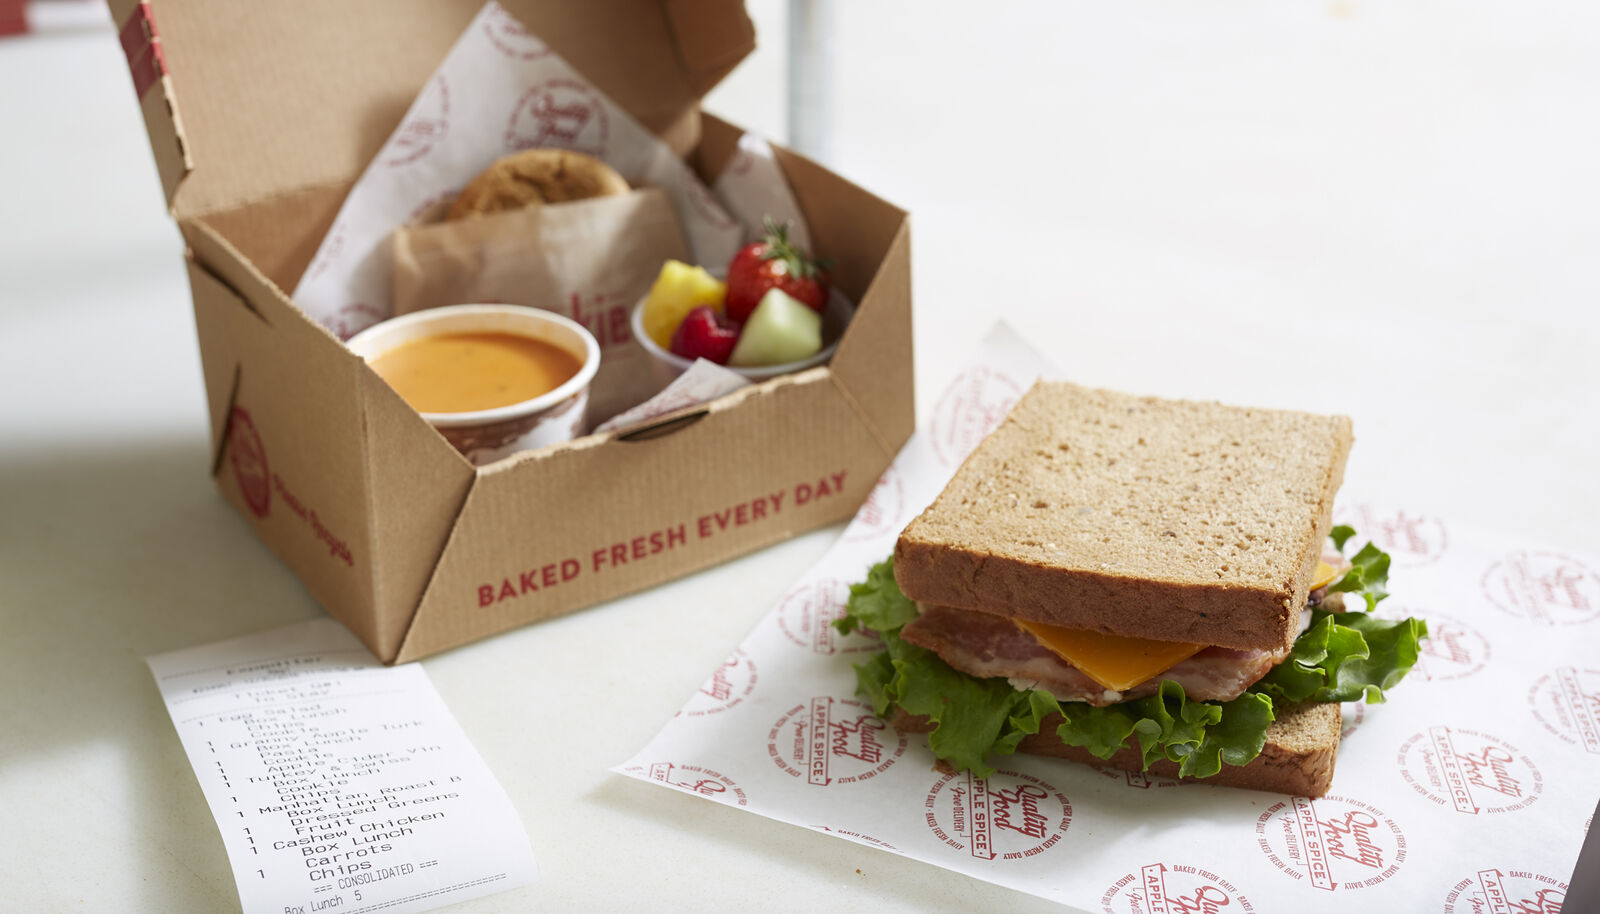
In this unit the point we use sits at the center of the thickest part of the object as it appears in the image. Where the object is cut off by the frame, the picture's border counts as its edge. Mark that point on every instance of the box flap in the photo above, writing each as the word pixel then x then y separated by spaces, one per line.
pixel 283 96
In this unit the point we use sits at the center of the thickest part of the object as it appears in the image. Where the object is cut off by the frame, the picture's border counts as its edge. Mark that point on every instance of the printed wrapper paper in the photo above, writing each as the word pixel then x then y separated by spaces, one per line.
pixel 1469 791
pixel 498 91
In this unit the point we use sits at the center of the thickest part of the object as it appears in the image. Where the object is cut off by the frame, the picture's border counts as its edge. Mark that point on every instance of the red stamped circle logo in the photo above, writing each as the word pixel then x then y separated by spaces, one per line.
pixel 1331 842
pixel 1008 816
pixel 563 113
pixel 707 783
pixel 424 127
pixel 508 36
pixel 1567 703
pixel 807 614
pixel 829 741
pixel 248 457
pixel 1452 650
pixel 729 684
pixel 1162 888
pixel 1410 539
pixel 971 408
pixel 882 512
pixel 1351 714
pixel 1471 771
pixel 857 837
pixel 1544 587
pixel 1506 892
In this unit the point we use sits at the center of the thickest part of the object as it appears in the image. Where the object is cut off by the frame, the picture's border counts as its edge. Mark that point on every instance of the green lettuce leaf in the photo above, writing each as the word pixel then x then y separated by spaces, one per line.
pixel 877 603
pixel 1340 535
pixel 1368 576
pixel 1345 657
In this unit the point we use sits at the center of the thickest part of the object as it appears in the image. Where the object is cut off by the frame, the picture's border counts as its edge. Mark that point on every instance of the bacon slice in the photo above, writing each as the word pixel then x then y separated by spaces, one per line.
pixel 987 646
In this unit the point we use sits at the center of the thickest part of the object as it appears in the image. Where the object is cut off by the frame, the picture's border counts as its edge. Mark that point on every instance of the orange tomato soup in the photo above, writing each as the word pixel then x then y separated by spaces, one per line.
pixel 466 372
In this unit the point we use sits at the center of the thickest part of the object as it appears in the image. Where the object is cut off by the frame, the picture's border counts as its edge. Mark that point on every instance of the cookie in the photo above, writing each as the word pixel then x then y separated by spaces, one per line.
pixel 533 177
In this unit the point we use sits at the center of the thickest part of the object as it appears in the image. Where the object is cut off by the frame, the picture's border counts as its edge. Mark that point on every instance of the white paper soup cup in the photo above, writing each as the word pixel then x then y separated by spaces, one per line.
pixel 667 366
pixel 486 435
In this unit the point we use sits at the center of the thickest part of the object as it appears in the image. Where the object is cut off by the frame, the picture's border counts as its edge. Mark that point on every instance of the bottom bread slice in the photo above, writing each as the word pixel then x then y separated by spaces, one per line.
pixel 1302 743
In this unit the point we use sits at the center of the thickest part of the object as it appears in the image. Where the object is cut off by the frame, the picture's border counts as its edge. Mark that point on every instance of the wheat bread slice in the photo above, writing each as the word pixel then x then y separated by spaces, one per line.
pixel 1140 516
pixel 1298 758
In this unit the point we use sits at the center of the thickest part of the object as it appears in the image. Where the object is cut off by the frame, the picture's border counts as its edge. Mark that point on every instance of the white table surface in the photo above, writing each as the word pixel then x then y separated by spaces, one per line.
pixel 1386 210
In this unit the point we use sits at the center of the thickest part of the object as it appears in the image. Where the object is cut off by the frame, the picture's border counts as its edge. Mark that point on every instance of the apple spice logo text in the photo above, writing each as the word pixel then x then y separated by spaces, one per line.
pixel 1008 816
pixel 880 513
pixel 1470 771
pixel 1567 703
pixel 729 685
pixel 561 113
pixel 1544 587
pixel 248 457
pixel 1452 650
pixel 807 614
pixel 830 741
pixel 1332 842
pixel 424 127
pixel 508 36
pixel 1497 891
pixel 1410 539
pixel 970 409
pixel 697 780
pixel 1159 888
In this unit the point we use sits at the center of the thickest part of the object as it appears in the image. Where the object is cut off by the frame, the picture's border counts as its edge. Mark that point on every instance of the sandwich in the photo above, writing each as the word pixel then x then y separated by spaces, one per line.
pixel 1138 583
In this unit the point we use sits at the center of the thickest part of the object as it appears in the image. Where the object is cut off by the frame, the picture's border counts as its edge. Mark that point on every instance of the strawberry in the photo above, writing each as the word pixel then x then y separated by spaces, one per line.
pixel 774 263
pixel 705 334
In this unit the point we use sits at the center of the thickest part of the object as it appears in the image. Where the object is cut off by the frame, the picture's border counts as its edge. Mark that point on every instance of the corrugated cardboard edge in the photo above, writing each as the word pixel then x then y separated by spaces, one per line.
pixel 147 67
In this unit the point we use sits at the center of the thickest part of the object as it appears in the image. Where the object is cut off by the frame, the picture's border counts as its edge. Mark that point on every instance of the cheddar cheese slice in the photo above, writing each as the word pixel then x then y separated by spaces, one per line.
pixel 1324 575
pixel 1116 662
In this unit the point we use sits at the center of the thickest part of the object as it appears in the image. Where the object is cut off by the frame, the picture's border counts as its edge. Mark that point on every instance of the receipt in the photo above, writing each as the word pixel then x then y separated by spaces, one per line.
pixel 338 783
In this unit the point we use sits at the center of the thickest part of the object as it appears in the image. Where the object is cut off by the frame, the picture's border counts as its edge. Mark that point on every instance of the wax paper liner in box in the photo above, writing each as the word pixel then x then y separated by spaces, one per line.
pixel 1471 787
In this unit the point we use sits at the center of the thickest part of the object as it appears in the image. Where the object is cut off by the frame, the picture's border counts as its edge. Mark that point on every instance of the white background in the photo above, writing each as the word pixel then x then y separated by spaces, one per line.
pixel 1388 210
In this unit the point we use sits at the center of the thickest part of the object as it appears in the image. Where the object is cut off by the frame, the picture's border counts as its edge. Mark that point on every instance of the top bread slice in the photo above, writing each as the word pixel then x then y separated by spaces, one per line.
pixel 1138 516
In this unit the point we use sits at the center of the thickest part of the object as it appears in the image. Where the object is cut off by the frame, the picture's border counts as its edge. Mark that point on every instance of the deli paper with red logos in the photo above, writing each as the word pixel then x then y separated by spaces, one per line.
pixel 500 90
pixel 1470 791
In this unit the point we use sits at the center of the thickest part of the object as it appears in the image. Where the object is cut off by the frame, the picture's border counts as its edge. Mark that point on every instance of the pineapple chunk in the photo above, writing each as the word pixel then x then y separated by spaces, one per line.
pixel 678 290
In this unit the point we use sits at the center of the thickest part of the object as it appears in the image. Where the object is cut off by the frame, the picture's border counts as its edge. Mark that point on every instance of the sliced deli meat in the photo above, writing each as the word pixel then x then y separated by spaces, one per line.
pixel 988 646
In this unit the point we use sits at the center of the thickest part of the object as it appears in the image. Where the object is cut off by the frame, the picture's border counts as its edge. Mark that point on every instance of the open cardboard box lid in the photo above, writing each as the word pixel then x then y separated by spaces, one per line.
pixel 262 116
pixel 292 98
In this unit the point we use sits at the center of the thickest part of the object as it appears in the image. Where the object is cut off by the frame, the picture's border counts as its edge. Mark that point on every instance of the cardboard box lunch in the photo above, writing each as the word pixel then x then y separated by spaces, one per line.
pixel 262 115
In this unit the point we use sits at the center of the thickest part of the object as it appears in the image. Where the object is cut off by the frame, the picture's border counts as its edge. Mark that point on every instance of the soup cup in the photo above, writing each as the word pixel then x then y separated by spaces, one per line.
pixel 487 435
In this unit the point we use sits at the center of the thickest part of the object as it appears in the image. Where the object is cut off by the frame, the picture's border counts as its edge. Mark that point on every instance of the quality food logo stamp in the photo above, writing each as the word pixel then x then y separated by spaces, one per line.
pixel 970 409
pixel 562 112
pixel 807 614
pixel 1410 539
pixel 1158 888
pixel 1007 816
pixel 697 780
pixel 508 36
pixel 1506 892
pixel 729 685
pixel 828 741
pixel 248 457
pixel 1544 587
pixel 424 127
pixel 1331 842
pixel 1567 703
pixel 1470 771
pixel 1452 650
pixel 880 513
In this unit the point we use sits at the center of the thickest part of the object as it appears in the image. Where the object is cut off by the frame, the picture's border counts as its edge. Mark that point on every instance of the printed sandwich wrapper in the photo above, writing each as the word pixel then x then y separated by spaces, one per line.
pixel 1470 790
